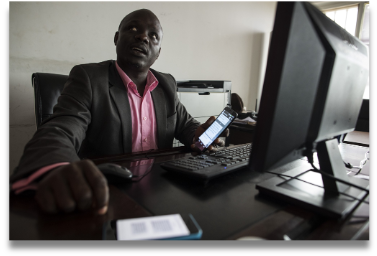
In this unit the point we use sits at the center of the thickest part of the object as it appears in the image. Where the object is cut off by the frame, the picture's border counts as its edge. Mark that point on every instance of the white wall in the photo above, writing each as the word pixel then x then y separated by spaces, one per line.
pixel 202 40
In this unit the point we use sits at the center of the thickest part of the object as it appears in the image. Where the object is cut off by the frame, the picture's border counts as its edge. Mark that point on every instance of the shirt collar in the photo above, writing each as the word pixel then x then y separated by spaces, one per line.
pixel 152 81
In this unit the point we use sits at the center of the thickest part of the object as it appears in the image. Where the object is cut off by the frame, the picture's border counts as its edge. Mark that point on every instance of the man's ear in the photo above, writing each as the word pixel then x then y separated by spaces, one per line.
pixel 116 37
pixel 159 51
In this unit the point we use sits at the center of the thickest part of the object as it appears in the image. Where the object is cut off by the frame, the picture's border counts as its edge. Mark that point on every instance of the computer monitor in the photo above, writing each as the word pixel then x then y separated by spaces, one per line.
pixel 313 89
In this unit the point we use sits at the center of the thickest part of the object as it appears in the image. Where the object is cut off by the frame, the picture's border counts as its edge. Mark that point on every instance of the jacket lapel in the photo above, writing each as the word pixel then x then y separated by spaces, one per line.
pixel 158 97
pixel 119 94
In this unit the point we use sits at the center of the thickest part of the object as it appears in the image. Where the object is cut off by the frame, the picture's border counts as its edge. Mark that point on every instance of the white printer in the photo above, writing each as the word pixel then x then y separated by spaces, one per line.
pixel 203 98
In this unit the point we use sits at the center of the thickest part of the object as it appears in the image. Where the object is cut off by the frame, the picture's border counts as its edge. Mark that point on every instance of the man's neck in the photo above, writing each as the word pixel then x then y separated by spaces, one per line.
pixel 139 77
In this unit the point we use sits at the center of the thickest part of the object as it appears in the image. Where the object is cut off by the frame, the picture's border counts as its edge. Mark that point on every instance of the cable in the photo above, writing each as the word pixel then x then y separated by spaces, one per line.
pixel 140 177
pixel 337 179
pixel 361 165
pixel 311 161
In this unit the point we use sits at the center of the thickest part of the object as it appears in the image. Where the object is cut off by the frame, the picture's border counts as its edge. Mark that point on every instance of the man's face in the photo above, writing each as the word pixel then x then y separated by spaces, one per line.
pixel 138 41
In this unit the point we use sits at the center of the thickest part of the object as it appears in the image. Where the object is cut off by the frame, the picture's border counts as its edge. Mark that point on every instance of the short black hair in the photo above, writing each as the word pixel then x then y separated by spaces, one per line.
pixel 120 24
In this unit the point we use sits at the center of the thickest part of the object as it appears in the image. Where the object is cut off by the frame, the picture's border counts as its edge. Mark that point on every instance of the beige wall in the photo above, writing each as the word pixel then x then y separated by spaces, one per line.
pixel 202 40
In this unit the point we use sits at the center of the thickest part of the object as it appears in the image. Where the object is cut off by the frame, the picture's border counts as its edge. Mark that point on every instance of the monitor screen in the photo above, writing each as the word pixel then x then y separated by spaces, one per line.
pixel 313 89
pixel 314 83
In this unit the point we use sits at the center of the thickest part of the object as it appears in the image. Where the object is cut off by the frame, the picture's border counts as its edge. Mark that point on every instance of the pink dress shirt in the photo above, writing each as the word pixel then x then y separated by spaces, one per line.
pixel 144 127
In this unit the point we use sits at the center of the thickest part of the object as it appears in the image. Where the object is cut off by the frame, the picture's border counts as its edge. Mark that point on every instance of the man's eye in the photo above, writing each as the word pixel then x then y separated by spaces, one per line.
pixel 154 36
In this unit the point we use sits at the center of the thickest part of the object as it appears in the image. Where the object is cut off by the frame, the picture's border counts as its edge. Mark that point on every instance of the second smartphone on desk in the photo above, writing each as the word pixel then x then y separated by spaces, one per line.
pixel 165 227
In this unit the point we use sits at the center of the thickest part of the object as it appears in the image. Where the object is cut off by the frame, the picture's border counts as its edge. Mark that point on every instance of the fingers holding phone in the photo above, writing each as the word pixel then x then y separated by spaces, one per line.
pixel 207 135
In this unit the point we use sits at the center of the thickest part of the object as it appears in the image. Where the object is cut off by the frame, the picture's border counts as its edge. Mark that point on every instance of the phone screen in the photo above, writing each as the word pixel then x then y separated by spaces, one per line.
pixel 216 128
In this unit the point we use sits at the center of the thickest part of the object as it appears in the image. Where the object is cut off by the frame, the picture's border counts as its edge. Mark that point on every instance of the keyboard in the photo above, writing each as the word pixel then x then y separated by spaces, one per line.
pixel 209 165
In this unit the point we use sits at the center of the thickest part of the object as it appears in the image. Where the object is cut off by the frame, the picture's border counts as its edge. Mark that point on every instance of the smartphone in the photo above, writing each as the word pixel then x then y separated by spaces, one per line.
pixel 222 122
pixel 164 227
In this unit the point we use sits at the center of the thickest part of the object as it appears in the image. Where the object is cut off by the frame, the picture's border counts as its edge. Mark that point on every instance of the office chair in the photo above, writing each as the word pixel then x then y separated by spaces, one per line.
pixel 47 89
pixel 238 106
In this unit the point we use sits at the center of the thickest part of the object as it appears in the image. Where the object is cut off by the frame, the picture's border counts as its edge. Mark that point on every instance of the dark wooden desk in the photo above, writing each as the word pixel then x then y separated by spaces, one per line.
pixel 240 134
pixel 301 224
pixel 226 208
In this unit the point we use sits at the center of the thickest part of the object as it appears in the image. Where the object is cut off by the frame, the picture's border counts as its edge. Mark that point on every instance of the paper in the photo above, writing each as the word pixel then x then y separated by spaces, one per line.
pixel 244 121
pixel 361 176
pixel 157 227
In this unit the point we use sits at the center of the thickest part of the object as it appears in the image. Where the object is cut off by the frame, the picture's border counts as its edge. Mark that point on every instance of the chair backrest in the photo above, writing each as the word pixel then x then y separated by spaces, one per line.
pixel 237 103
pixel 47 89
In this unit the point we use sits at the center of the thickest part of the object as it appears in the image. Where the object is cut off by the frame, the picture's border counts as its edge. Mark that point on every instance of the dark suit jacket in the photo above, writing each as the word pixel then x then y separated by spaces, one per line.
pixel 93 118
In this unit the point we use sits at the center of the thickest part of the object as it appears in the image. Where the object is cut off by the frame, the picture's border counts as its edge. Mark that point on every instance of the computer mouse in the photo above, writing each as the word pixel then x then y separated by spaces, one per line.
pixel 115 173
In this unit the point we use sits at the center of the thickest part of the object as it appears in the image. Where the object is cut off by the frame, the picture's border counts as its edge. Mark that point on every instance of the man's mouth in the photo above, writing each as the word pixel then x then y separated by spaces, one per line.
pixel 138 50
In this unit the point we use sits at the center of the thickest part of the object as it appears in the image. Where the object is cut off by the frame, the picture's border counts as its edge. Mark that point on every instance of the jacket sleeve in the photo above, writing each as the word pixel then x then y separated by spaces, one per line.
pixel 59 137
pixel 186 125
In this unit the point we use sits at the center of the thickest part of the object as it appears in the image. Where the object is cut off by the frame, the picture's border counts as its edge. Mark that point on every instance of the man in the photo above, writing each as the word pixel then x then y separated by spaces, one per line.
pixel 105 108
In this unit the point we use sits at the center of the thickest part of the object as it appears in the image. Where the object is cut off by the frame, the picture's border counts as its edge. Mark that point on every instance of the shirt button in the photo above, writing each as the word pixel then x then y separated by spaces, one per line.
pixel 145 118
pixel 145 140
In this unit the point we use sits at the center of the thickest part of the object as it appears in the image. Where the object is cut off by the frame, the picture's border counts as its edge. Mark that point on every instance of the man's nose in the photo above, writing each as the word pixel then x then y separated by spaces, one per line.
pixel 143 37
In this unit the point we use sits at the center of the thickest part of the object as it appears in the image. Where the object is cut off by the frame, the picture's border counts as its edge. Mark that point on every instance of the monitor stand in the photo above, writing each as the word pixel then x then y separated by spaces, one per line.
pixel 317 192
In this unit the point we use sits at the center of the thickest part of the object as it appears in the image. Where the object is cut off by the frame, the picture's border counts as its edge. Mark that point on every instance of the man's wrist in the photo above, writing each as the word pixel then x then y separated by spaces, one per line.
pixel 31 181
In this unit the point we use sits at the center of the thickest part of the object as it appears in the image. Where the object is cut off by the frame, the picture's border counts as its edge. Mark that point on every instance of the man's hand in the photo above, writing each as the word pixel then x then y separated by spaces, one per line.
pixel 202 128
pixel 79 185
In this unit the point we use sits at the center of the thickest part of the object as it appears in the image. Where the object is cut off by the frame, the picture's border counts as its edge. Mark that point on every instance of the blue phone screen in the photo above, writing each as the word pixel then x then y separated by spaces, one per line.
pixel 215 129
